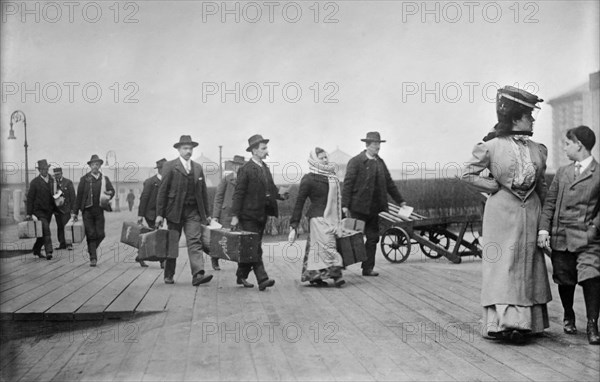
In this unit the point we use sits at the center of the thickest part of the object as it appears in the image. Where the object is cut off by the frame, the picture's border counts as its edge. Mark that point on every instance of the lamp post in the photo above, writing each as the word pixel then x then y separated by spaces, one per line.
pixel 16 117
pixel 220 162
pixel 111 155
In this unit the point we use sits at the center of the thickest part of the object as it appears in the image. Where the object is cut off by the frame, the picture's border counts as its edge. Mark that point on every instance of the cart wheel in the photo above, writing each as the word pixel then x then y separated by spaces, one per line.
pixel 435 238
pixel 395 245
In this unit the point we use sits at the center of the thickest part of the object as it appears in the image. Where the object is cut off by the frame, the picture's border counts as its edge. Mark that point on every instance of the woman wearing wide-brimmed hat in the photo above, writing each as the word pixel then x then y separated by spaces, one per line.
pixel 515 287
pixel 321 260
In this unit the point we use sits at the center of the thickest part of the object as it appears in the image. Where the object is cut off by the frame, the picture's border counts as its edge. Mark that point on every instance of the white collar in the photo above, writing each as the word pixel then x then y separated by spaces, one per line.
pixel 257 162
pixel 46 179
pixel 585 163
pixel 186 163
pixel 369 155
pixel 159 176
pixel 96 176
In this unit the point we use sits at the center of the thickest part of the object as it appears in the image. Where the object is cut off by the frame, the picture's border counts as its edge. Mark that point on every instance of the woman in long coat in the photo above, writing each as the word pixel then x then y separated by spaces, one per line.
pixel 322 187
pixel 515 287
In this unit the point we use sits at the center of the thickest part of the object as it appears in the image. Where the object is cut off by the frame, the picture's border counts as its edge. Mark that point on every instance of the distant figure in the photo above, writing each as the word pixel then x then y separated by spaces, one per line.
pixel 515 288
pixel 130 199
pixel 571 213
pixel 366 187
pixel 65 188
pixel 254 200
pixel 41 204
pixel 183 200
pixel 147 207
pixel 322 187
pixel 93 197
pixel 224 199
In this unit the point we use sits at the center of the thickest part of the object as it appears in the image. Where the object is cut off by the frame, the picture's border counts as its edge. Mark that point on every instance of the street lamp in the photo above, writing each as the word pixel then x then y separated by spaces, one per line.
pixel 111 155
pixel 16 117
pixel 220 162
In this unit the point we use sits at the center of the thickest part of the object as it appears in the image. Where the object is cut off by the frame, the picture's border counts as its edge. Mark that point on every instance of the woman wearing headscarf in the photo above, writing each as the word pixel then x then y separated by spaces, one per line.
pixel 515 287
pixel 322 187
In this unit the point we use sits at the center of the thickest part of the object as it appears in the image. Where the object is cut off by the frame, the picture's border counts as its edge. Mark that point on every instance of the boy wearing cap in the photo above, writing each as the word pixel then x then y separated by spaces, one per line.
pixel 366 186
pixel 93 195
pixel 41 204
pixel 65 188
pixel 569 226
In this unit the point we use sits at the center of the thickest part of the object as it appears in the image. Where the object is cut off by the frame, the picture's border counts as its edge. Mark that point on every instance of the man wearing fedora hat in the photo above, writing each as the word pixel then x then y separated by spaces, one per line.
pixel 224 197
pixel 183 201
pixel 93 195
pixel 41 204
pixel 147 207
pixel 65 191
pixel 366 186
pixel 254 200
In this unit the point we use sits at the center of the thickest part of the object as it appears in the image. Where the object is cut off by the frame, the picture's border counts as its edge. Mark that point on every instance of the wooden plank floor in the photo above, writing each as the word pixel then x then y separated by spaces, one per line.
pixel 417 321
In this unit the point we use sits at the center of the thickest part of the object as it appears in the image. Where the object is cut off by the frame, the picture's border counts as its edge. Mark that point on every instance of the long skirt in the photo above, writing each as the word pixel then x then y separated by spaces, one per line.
pixel 321 258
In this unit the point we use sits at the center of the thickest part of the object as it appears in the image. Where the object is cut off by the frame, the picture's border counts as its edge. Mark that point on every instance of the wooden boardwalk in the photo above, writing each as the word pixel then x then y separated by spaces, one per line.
pixel 417 321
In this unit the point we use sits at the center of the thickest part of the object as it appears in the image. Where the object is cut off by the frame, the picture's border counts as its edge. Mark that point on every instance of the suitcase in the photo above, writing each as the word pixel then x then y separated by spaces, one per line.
pixel 240 246
pixel 353 224
pixel 352 248
pixel 159 245
pixel 74 232
pixel 130 233
pixel 30 229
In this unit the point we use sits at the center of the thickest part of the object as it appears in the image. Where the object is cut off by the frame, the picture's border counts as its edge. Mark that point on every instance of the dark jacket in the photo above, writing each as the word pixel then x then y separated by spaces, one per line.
pixel 361 189
pixel 172 190
pixel 316 188
pixel 224 200
pixel 39 198
pixel 83 191
pixel 147 207
pixel 250 201
pixel 570 208
pixel 66 186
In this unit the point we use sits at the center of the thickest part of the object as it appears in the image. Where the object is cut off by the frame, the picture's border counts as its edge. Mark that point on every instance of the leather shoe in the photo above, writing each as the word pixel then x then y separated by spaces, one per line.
pixel 517 337
pixel 319 283
pixel 592 332
pixel 93 262
pixel 39 254
pixel 69 247
pixel 162 264
pixel 215 263
pixel 569 325
pixel 266 284
pixel 201 279
pixel 60 247
pixel 169 280
pixel 246 284
pixel 339 282
pixel 49 256
pixel 370 272
pixel 142 262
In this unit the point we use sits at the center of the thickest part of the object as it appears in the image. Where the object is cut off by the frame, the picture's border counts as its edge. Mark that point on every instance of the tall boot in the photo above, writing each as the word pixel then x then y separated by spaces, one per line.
pixel 567 293
pixel 591 295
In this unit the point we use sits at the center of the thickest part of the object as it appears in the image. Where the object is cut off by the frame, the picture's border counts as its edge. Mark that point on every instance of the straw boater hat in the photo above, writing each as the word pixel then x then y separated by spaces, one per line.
pixel 185 140
pixel 95 158
pixel 372 136
pixel 57 169
pixel 254 140
pixel 509 99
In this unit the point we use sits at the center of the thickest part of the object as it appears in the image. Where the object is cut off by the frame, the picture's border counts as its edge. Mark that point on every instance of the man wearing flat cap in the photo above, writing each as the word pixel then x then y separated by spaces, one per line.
pixel 224 197
pixel 254 200
pixel 183 201
pixel 365 194
pixel 147 207
pixel 94 193
pixel 64 194
pixel 40 203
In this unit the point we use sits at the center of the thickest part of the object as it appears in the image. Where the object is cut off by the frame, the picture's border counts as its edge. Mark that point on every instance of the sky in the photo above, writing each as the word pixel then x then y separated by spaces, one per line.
pixel 132 77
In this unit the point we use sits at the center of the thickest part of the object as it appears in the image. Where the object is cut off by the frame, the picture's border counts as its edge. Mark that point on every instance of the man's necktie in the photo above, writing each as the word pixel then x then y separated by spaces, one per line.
pixel 577 169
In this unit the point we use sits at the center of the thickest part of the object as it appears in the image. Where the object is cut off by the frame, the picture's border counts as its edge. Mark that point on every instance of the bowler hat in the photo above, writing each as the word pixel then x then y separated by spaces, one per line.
pixel 42 163
pixel 255 139
pixel 160 163
pixel 372 136
pixel 237 159
pixel 95 158
pixel 57 169
pixel 185 140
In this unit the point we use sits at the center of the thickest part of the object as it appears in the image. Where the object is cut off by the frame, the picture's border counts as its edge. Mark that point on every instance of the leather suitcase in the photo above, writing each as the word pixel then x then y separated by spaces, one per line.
pixel 240 246
pixel 159 245
pixel 130 233
pixel 74 232
pixel 353 224
pixel 352 248
pixel 30 229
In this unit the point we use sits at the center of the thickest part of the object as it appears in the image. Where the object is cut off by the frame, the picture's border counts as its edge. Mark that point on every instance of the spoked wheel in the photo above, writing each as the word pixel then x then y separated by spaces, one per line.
pixel 435 238
pixel 395 245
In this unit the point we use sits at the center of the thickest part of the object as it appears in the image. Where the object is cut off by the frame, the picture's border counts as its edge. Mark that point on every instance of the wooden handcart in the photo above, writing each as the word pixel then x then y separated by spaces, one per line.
pixel 431 234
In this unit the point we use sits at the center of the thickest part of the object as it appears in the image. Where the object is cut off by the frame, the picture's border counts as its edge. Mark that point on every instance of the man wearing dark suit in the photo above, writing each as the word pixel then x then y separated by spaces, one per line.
pixel 183 201
pixel 224 198
pixel 569 226
pixel 41 204
pixel 64 188
pixel 364 195
pixel 254 200
pixel 147 207
pixel 94 193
